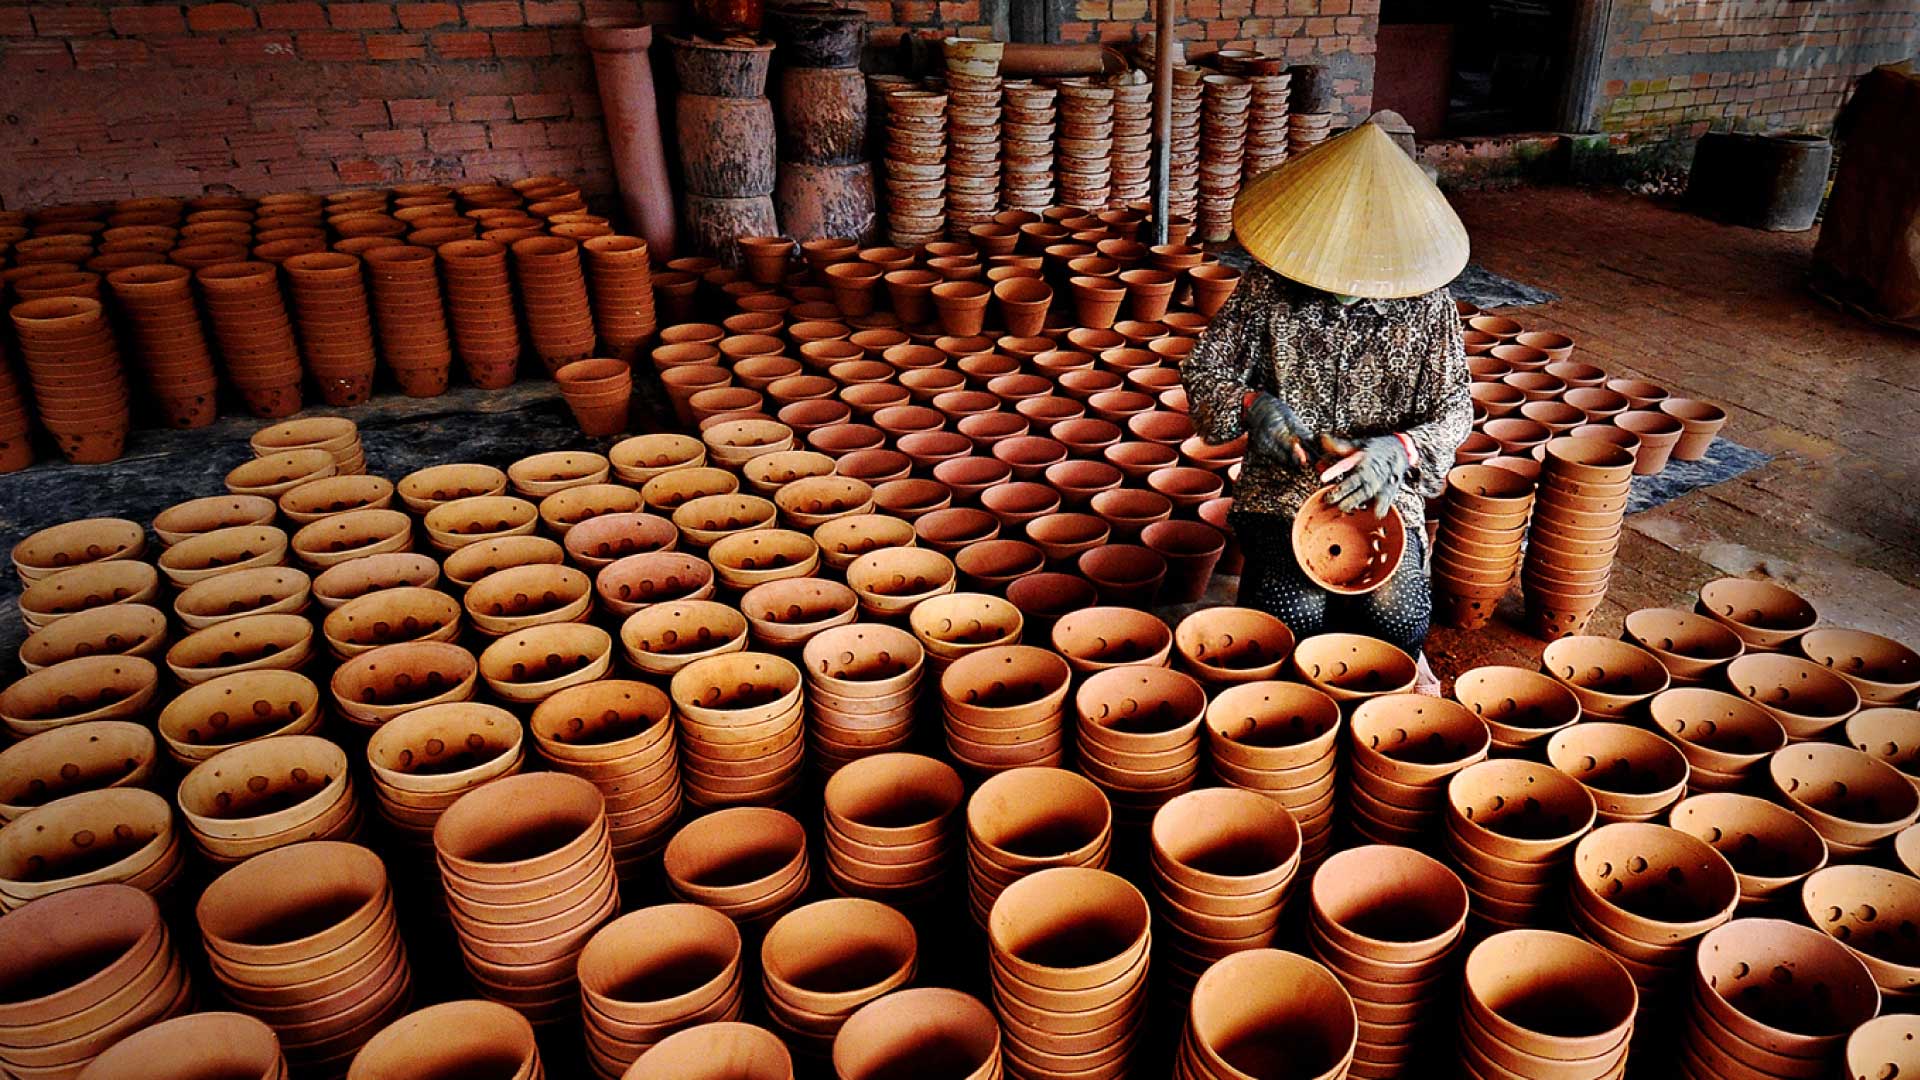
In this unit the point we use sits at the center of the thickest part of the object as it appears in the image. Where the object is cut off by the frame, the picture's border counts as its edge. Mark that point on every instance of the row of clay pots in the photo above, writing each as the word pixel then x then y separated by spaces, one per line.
pixel 891 827
pixel 120 836
pixel 1403 750
pixel 526 863
pixel 266 794
pixel 1029 819
pixel 653 972
pixel 748 863
pixel 305 938
pixel 617 733
pixel 1224 863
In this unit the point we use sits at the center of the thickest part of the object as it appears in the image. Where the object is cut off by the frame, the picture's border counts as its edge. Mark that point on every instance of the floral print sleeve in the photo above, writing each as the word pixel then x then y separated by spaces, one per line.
pixel 1444 383
pixel 1221 368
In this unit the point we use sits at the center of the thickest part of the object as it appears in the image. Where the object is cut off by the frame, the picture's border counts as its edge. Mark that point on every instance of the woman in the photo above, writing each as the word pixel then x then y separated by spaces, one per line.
pixel 1339 357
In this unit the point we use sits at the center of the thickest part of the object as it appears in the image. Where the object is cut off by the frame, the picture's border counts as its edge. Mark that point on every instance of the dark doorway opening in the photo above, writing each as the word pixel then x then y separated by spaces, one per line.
pixel 1472 67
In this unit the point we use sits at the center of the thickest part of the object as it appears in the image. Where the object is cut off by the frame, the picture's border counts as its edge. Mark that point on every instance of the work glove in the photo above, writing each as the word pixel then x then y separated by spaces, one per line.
pixel 1370 471
pixel 1273 431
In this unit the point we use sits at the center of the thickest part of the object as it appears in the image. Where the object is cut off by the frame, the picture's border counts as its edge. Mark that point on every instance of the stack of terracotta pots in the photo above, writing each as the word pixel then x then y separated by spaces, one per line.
pixel 916 162
pixel 622 290
pixel 1483 518
pixel 1003 708
pixel 79 388
pixel 481 309
pixel 1538 1003
pixel 653 972
pixel 1262 1011
pixel 1030 819
pixel 553 297
pixel 336 435
pixel 269 793
pixel 822 962
pixel 1224 863
pixel 1855 801
pixel 747 862
pixel 1083 165
pixel 1139 736
pixel 453 1037
pixel 1883 671
pixel 863 687
pixel 1405 747
pixel 1771 849
pixel 526 863
pixel 255 333
pixel 1385 921
pixel 1280 740
pixel 913 1030
pixel 1268 132
pixel 1069 949
pixel 890 827
pixel 1746 1019
pixel 16 422
pixel 725 1050
pixel 727 140
pixel 59 846
pixel 951 626
pixel 1575 533
pixel 742 730
pixel 1633 774
pixel 1511 829
pixel 973 132
pixel 1132 138
pixel 1868 909
pixel 304 938
pixel 1308 130
pixel 336 325
pixel 199 1044
pixel 1027 124
pixel 87 967
pixel 1809 700
pixel 1222 646
pixel 1183 194
pixel 1694 649
pixel 617 733
pixel 424 760
pixel 1228 100
pixel 158 303
pixel 1522 709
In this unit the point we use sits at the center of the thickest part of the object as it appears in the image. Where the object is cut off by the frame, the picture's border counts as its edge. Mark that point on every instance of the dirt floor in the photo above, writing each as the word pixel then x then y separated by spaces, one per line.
pixel 1724 314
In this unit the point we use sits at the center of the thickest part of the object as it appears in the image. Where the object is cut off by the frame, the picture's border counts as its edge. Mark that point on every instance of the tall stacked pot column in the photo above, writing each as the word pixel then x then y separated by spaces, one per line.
pixel 631 114
pixel 825 186
pixel 973 133
pixel 726 132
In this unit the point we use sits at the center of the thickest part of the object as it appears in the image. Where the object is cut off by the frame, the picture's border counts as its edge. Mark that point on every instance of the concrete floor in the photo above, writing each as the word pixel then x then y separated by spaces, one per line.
pixel 1723 313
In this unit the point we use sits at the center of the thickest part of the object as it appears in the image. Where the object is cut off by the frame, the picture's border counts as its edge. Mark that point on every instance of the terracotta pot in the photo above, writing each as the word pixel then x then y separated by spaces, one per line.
pixel 1519 706
pixel 846 539
pixel 890 581
pixel 1852 799
pixel 1771 849
pixel 1765 615
pixel 1731 991
pixel 961 305
pixel 1882 670
pixel 1126 575
pixel 530 665
pixel 1247 1000
pixel 1700 422
pixel 248 643
pixel 1715 731
pixel 1658 434
pixel 715 1051
pixel 1609 677
pixel 922 1029
pixel 1349 667
pixel 196 1045
pixel 1632 773
pixel 1806 698
pixel 1484 813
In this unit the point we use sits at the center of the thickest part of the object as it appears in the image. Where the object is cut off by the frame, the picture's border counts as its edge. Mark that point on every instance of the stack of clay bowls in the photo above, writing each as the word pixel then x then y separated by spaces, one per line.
pixel 1872 911
pixel 1224 863
pixel 1405 747
pixel 453 1038
pixel 112 835
pixel 553 296
pixel 915 156
pixel 1768 617
pixel 305 939
pixel 1307 130
pixel 1265 1012
pixel 527 868
pixel 1221 646
pixel 622 288
pixel 1483 517
pixel 269 793
pixel 821 962
pixel 1069 950
pixel 257 350
pixel 951 626
pixel 425 759
pixel 1267 128
pixel 1132 138
pixel 890 827
pixel 480 307
pixel 863 687
pixel 1724 739
pixel 1693 648
pixel 200 1044
pixel 158 304
pixel 1633 774
pixel 1855 801
pixel 16 421
pixel 79 389
pixel 337 435
pixel 742 730
pixel 1223 144
pixel 85 968
pixel 336 325
pixel 654 972
pixel 1027 124
pixel 1139 736
pixel 1511 829
pixel 723 1050
pixel 1774 999
pixel 1575 533
pixel 1003 708
pixel 921 1030
pixel 1537 1003
pixel 1030 819
pixel 1280 740
pixel 973 133
pixel 617 733
pixel 1522 708
pixel 1083 165
pixel 77 543
pixel 1385 921
pixel 747 862
pixel 1771 849
pixel 1809 700
pixel 1349 668
pixel 1884 671
pixel 89 756
pixel 82 689
pixel 1645 893
pixel 1611 678
pixel 1183 183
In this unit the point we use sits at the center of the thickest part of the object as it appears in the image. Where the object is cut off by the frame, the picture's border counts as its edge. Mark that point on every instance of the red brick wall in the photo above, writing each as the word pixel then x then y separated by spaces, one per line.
pixel 1683 67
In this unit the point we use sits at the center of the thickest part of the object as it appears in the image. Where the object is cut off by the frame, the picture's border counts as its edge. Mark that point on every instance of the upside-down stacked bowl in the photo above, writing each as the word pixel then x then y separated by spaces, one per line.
pixel 1575 533
pixel 747 862
pixel 1003 707
pixel 916 161
pixel 336 324
pixel 1267 127
pixel 1132 138
pixel 16 447
pixel 1083 165
pixel 863 684
pixel 1385 920
pixel 425 759
pixel 1264 1012
pixel 622 289
pixel 1183 182
pixel 79 389
pixel 480 307
pixel 1773 999
pixel 1138 736
pixel 1511 829
pixel 742 729
pixel 653 972
pixel 1405 747
pixel 1280 740
pixel 255 334
pixel 822 962
pixel 553 296
pixel 304 938
pixel 173 352
pixel 1540 1003
pixel 890 827
pixel 1029 819
pixel 1070 948
pixel 527 867
pixel 1224 863
pixel 1483 517
pixel 617 733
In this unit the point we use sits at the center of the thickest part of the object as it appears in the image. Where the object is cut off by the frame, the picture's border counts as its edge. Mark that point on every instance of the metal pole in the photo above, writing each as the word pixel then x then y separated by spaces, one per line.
pixel 1163 116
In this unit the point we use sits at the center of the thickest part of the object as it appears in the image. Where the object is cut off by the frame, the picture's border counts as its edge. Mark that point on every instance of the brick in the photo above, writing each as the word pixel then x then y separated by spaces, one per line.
pixel 147 19
pixel 553 12
pixel 426 16
pixel 283 115
pixel 397 47
pixel 517 136
pixel 68 20
pixel 330 45
pixel 531 44
pixel 387 143
pixel 372 113
pixel 16 22
pixel 361 172
pixel 463 45
pixel 539 106
pixel 445 138
pixel 329 143
pixel 90 54
pixel 260 49
pixel 483 108
pixel 190 52
pixel 360 16
pixel 491 13
pixel 262 145
pixel 219 18
pixel 294 16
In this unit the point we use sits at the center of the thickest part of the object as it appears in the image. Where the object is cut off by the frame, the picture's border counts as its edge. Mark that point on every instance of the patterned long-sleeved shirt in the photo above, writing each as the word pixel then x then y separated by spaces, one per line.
pixel 1372 368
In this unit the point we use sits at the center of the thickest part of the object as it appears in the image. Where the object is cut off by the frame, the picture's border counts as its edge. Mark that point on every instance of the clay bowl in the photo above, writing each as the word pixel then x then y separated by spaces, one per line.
pixel 1518 810
pixel 1028 818
pixel 1851 798
pixel 1352 667
pixel 261 590
pixel 1251 1003
pixel 1096 638
pixel 1690 646
pixel 1005 686
pixel 1652 884
pixel 223 551
pixel 519 828
pixel 355 578
pixel 1228 644
pixel 1549 994
pixel 455 1036
pixel 1066 929
pixel 1348 554
pixel 541 475
pixel 715 1051
pixel 1519 706
pixel 863 661
pixel 1872 911
pixel 251 642
pixel 1388 904
pixel 89 837
pixel 115 630
pixel 1889 735
pixel 1765 615
pixel 1221 842
pixel 1270 726
pixel 1884 671
pixel 516 598
pixel 383 683
pixel 1716 731
pixel 930 1028
pixel 74 543
pixel 790 611
pixel 84 756
pixel 444 749
pixel 223 712
pixel 197 516
pixel 844 540
pixel 1411 739
pixel 953 625
pixel 598 542
pixel 1609 677
pixel 120 935
pixel 830 957
pixel 1631 772
pixel 84 588
pixel 890 581
pixel 1806 698
pixel 265 787
pixel 615 723
pixel 734 856
pixel 291 905
pixel 637 581
pixel 893 800
pixel 658 966
pixel 202 1044
pixel 1883 1047
pixel 1770 848
pixel 530 665
pixel 950 530
pixel 456 524
pixel 1736 987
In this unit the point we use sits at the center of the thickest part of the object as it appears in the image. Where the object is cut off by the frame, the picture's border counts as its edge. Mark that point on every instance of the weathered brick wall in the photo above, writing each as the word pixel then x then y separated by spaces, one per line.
pixel 1684 67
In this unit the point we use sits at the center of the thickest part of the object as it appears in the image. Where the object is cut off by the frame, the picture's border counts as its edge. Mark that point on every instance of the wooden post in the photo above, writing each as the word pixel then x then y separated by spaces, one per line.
pixel 1163 116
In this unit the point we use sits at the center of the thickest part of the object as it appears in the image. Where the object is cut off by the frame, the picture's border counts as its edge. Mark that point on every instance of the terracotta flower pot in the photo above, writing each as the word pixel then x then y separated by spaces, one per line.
pixel 1771 849
pixel 1884 671
pixel 716 1051
pixel 1632 773
pixel 1732 991
pixel 1852 799
pixel 455 1035
pixel 1249 999
pixel 1700 422
pixel 1023 304
pixel 88 756
pixel 1510 975
pixel 238 708
pixel 922 1029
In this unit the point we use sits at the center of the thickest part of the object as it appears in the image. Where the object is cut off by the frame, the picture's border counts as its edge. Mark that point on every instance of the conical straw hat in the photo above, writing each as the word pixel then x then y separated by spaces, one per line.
pixel 1354 217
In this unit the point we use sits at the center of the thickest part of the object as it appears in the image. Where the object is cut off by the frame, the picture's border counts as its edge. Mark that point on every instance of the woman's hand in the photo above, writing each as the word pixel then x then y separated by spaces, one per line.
pixel 1373 469
pixel 1273 431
